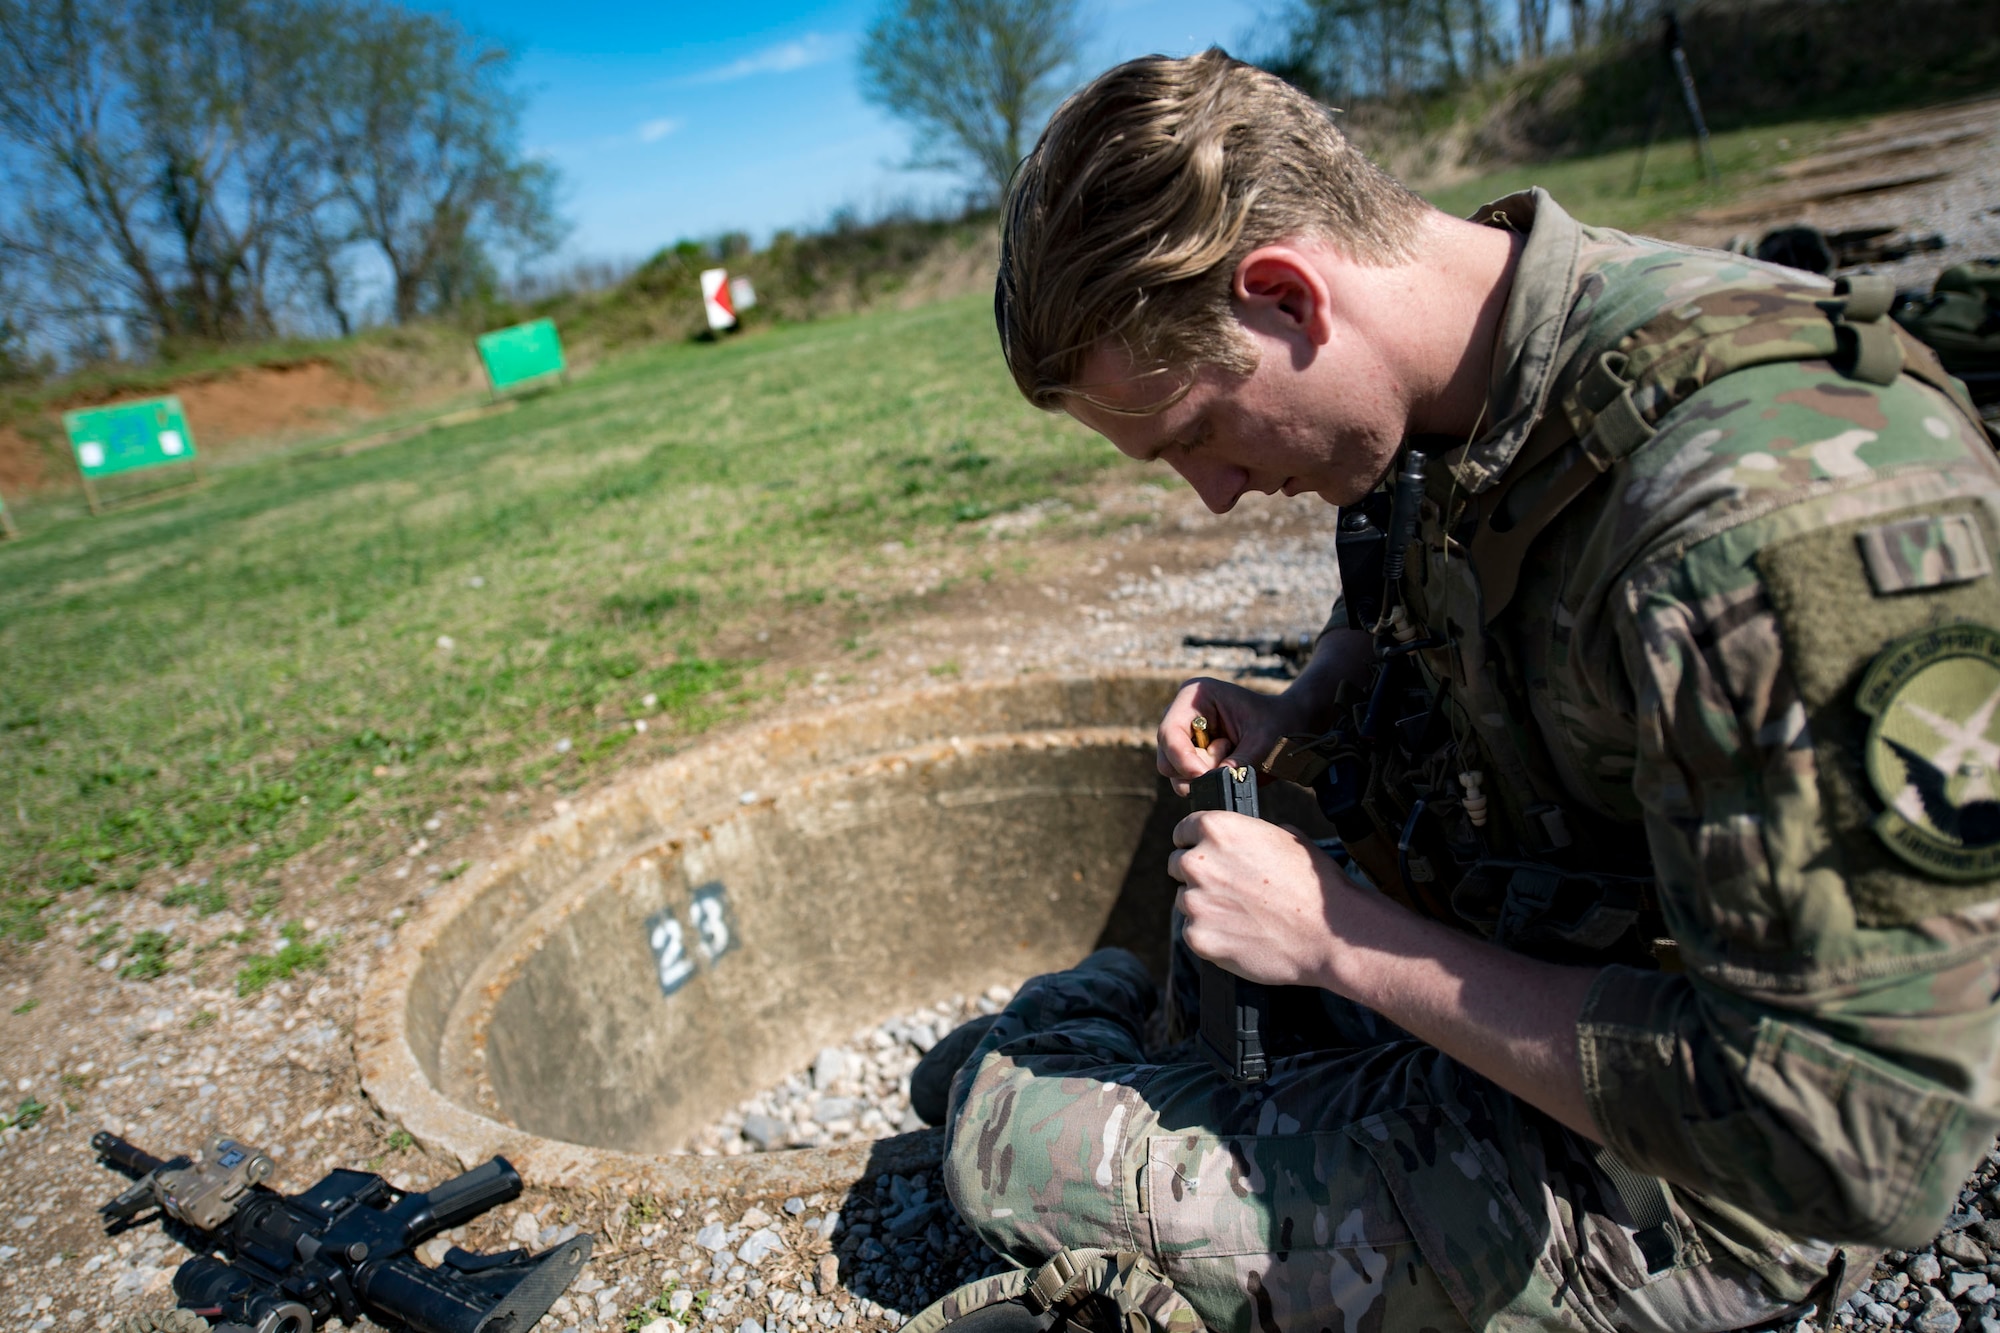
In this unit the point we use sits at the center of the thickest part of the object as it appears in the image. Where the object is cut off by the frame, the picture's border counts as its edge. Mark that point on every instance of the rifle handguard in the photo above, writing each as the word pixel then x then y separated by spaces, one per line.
pixel 464 1197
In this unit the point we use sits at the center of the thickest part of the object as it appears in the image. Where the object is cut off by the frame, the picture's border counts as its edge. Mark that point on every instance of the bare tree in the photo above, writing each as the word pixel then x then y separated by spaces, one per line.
pixel 214 87
pixel 421 139
pixel 1579 25
pixel 976 78
pixel 189 170
pixel 316 252
pixel 80 185
pixel 18 359
pixel 154 158
pixel 1532 18
pixel 1341 50
pixel 1484 41
pixel 1350 50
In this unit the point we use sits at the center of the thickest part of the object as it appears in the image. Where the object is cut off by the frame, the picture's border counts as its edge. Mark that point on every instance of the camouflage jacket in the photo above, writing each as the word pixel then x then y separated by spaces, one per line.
pixel 1731 642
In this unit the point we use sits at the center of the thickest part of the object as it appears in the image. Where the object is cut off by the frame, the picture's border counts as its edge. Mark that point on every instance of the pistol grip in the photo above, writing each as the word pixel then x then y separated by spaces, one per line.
pixel 464 1197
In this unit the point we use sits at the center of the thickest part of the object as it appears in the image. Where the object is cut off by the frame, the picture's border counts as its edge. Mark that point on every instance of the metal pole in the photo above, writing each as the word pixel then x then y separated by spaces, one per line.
pixel 1653 100
pixel 1678 56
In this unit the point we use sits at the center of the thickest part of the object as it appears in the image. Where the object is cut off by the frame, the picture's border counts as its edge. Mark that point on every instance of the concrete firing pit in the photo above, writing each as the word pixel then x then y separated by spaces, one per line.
pixel 645 962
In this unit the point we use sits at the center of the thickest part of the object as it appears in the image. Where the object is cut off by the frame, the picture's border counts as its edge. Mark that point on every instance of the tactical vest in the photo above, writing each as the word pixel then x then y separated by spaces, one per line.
pixel 1437 777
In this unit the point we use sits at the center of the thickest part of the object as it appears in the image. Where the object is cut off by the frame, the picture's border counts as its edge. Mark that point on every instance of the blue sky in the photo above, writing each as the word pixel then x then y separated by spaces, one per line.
pixel 682 120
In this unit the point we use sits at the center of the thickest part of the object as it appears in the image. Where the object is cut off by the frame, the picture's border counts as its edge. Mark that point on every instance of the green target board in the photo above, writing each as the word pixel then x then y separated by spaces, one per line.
pixel 522 354
pixel 126 437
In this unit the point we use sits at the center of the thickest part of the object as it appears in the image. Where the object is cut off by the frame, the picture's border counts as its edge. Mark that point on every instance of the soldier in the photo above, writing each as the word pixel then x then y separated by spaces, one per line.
pixel 1667 998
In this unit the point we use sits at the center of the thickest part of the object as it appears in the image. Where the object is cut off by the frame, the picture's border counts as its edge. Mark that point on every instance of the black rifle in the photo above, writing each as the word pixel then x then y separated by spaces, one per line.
pixel 286 1263
pixel 1293 648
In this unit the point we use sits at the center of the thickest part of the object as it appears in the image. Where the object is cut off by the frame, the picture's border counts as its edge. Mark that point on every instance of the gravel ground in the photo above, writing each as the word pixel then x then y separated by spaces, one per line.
pixel 877 1255
pixel 1124 609
pixel 1950 1283
pixel 1264 584
pixel 849 1093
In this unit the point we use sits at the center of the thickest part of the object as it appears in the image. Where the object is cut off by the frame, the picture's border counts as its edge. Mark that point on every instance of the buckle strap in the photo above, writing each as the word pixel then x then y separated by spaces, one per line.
pixel 1869 296
pixel 1609 423
pixel 1054 1283
pixel 1604 381
pixel 1655 1232
pixel 1616 433
pixel 1873 353
pixel 1868 344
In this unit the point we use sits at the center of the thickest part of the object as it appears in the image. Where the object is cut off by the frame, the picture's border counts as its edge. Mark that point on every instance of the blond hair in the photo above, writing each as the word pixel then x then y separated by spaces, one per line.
pixel 1127 221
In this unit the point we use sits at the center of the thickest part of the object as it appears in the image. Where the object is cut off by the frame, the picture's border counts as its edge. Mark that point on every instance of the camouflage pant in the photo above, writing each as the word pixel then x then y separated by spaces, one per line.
pixel 1373 1187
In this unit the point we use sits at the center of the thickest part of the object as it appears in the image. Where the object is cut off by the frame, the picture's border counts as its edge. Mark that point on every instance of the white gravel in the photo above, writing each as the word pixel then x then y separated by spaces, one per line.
pixel 852 1092
pixel 1267 584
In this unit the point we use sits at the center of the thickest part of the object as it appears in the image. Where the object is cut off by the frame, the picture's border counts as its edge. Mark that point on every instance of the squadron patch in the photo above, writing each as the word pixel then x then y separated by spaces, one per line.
pixel 1933 748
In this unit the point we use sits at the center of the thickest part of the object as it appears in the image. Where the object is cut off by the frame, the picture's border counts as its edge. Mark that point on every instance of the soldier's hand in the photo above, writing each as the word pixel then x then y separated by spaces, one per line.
pixel 1243 723
pixel 1256 897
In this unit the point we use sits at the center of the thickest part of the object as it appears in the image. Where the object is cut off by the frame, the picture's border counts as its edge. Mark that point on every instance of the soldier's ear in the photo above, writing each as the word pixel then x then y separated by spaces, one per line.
pixel 1280 291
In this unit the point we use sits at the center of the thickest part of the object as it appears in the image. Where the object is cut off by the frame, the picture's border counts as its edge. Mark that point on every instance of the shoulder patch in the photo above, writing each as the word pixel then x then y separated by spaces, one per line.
pixel 1930 551
pixel 1932 757
pixel 1901 860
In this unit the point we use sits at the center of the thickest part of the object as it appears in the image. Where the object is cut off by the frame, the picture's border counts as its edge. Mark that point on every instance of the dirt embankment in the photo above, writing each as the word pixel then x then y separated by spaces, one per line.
pixel 224 409
pixel 20 462
pixel 1929 172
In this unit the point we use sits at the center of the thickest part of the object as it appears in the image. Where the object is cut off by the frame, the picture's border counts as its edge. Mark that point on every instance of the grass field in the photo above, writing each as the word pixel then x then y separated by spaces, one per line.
pixel 305 649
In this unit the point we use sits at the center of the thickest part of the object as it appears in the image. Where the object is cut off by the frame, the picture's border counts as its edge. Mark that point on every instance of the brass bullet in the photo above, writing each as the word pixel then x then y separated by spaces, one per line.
pixel 1200 732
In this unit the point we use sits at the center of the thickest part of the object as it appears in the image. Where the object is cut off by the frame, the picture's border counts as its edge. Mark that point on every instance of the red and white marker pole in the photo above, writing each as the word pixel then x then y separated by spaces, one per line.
pixel 715 302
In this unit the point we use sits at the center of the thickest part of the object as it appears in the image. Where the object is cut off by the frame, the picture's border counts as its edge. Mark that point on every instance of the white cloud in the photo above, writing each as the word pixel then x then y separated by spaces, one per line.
pixel 654 130
pixel 811 49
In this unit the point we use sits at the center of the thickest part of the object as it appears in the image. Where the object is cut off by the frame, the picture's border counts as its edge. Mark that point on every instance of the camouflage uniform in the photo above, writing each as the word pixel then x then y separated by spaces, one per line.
pixel 1741 695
